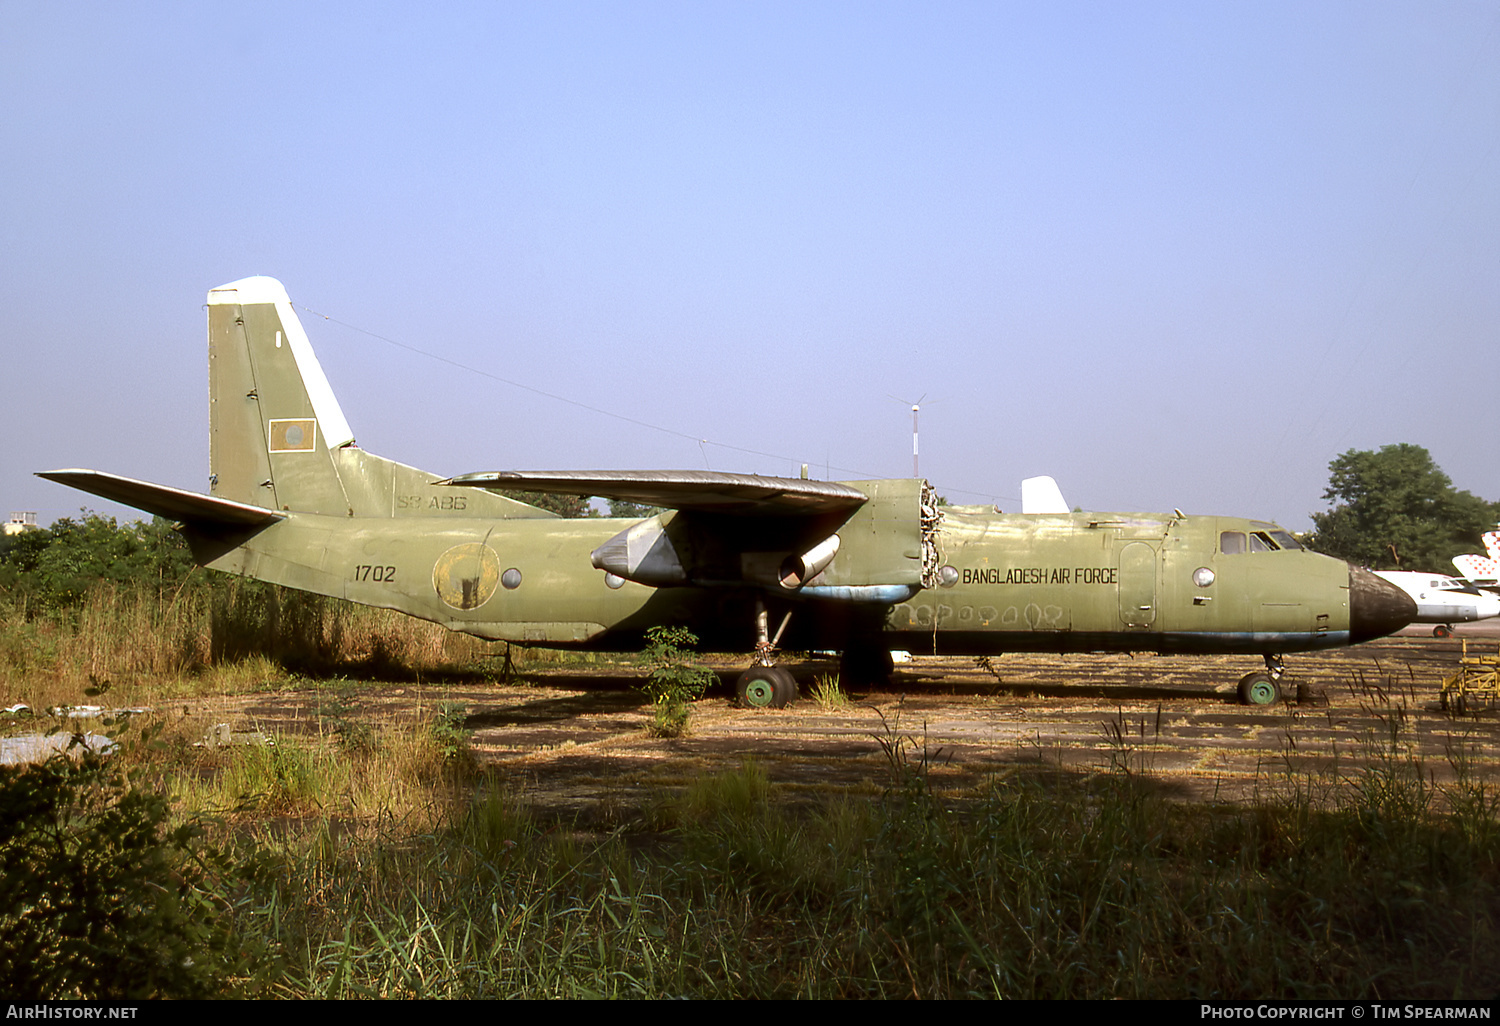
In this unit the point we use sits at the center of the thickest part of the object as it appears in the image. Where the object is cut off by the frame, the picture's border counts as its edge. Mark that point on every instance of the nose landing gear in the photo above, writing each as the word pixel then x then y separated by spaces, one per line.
pixel 1264 686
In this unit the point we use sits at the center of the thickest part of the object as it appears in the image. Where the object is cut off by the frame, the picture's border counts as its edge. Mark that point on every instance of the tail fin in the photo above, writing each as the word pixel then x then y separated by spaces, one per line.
pixel 1041 495
pixel 273 420
pixel 277 437
pixel 1477 569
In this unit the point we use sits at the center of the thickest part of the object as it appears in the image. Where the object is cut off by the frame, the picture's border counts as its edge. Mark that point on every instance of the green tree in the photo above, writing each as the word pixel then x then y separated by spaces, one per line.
pixel 1396 508
pixel 570 506
pixel 57 566
pixel 634 510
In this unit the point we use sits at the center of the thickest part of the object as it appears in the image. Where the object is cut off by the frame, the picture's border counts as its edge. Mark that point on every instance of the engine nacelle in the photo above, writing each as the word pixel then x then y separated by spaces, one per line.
pixel 642 553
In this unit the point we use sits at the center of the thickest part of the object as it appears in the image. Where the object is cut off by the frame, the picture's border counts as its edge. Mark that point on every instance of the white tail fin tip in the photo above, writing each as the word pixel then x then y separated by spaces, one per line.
pixel 258 289
pixel 1041 495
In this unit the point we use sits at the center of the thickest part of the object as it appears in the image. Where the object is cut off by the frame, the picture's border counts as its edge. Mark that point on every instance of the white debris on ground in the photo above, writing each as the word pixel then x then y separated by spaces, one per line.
pixel 88 712
pixel 28 748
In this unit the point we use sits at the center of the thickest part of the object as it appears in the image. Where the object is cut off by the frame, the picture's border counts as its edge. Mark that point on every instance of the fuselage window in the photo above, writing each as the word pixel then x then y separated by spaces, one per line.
pixel 1231 543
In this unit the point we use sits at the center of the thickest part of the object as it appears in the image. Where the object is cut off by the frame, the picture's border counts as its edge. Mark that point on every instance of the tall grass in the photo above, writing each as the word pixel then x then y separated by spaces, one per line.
pixel 200 637
pixel 1040 886
pixel 1017 890
pixel 393 870
pixel 389 865
pixel 116 633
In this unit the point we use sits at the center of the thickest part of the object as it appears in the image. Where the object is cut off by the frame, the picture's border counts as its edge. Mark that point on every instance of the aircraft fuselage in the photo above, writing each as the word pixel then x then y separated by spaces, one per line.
pixel 1003 582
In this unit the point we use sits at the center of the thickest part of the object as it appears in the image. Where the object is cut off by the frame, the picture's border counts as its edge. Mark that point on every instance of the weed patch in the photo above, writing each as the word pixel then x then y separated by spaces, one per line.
pixel 674 683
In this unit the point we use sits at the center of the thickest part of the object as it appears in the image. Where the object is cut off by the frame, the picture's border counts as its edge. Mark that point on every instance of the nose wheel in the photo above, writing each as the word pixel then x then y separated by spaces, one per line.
pixel 1264 686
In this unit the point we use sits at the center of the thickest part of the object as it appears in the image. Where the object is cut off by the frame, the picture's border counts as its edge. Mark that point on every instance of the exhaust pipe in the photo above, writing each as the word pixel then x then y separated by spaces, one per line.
pixel 798 570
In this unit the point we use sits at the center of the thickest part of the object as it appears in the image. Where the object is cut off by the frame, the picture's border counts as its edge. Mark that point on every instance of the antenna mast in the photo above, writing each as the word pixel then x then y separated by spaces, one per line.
pixel 916 408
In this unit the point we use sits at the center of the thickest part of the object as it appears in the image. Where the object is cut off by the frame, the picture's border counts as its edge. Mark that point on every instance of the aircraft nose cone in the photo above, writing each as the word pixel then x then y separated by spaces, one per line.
pixel 1376 607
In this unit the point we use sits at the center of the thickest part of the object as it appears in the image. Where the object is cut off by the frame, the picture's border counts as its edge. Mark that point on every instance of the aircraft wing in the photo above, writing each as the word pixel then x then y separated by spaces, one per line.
pixel 700 490
pixel 170 503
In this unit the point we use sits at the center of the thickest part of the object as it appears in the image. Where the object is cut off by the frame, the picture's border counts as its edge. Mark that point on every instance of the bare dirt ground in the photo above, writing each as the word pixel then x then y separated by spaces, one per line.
pixel 570 739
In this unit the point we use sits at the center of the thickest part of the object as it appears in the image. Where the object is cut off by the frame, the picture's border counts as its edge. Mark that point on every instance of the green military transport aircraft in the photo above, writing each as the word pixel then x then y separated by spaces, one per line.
pixel 862 567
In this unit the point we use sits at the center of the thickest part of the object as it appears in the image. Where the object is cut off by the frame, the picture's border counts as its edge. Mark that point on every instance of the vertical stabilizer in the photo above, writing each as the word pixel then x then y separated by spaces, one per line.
pixel 277 437
pixel 273 419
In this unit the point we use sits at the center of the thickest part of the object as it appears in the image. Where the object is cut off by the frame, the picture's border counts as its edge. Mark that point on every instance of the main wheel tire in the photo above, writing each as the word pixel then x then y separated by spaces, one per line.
pixel 1442 630
pixel 1259 689
pixel 766 687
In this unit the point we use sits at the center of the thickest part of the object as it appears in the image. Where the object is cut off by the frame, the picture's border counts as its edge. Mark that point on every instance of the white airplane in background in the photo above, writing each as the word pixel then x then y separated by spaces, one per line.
pixel 1443 600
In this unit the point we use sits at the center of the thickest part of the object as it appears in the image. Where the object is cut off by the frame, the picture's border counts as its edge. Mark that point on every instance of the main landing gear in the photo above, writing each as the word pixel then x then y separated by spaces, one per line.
pixel 766 685
pixel 1264 686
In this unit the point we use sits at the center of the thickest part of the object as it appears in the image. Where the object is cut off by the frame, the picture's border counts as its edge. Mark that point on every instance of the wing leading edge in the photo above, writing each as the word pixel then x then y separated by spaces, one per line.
pixel 699 490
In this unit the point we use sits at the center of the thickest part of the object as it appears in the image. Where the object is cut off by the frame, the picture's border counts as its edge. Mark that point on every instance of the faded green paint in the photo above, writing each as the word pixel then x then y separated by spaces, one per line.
pixel 293 501
pixel 1121 581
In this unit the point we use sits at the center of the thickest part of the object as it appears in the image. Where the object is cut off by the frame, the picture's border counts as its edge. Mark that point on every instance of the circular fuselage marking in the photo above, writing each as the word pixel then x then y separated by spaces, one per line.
pixel 466 575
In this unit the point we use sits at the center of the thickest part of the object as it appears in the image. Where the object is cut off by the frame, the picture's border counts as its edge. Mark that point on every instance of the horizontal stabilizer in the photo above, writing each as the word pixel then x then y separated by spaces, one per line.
pixel 702 490
pixel 170 503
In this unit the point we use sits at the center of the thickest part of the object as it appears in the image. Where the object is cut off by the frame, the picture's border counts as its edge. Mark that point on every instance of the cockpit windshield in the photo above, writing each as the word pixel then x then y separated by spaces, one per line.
pixel 1273 539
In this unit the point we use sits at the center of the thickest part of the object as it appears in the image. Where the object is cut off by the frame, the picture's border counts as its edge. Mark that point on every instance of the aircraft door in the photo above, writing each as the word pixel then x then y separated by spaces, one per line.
pixel 1138 585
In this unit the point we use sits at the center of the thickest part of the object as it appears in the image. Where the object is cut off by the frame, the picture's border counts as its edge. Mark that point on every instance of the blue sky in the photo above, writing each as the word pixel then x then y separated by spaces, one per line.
pixel 1174 254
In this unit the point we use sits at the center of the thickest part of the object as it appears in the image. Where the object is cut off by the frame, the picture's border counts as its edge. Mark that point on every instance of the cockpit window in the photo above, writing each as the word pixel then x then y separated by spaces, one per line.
pixel 1273 539
pixel 1453 584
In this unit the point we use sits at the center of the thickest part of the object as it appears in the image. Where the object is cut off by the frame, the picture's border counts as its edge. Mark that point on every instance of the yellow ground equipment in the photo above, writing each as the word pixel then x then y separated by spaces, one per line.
pixel 1477 680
